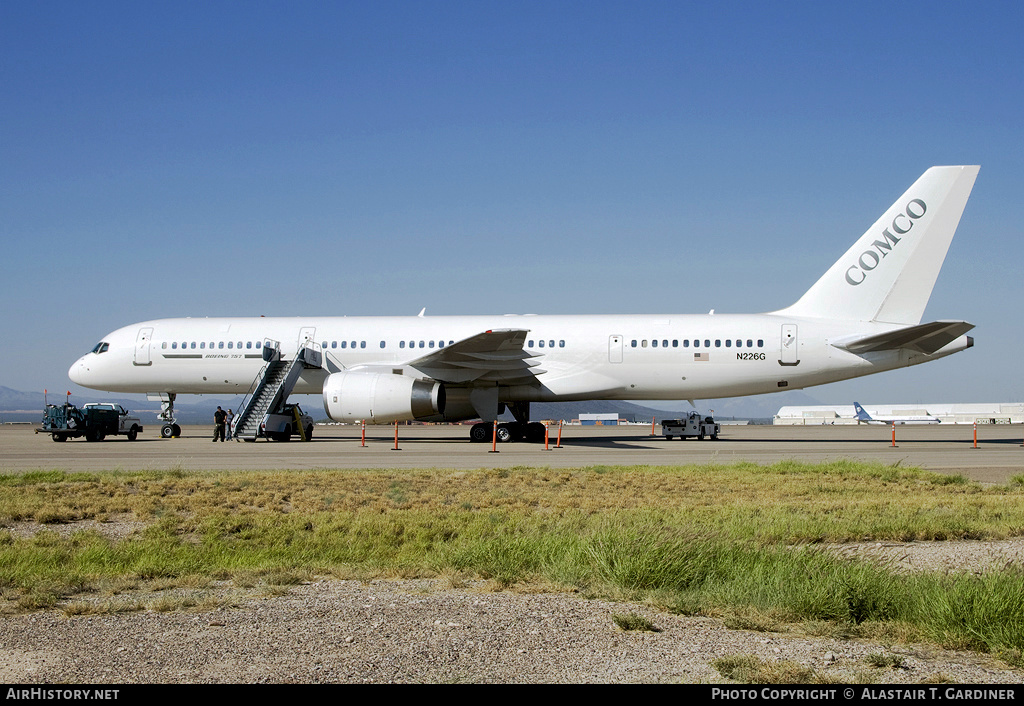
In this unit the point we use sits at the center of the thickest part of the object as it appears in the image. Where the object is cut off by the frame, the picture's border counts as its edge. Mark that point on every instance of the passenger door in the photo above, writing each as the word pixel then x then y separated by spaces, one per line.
pixel 142 342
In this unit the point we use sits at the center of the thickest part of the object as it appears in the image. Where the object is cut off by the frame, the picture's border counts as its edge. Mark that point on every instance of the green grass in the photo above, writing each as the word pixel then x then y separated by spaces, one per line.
pixel 736 542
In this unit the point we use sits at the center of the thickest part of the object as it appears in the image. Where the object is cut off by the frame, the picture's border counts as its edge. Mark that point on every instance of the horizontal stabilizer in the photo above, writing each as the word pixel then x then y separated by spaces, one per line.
pixel 923 338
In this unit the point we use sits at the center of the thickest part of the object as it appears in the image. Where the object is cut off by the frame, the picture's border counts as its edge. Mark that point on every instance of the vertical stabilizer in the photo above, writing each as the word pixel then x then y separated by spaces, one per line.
pixel 889 272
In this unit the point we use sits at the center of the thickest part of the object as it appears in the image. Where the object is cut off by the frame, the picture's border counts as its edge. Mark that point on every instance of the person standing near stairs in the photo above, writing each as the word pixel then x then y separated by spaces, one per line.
pixel 219 419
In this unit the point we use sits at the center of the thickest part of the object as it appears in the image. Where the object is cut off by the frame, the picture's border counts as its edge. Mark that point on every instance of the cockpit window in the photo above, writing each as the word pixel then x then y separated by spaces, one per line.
pixel 101 347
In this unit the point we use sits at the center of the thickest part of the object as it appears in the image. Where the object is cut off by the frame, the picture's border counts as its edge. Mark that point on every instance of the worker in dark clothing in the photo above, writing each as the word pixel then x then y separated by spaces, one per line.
pixel 219 419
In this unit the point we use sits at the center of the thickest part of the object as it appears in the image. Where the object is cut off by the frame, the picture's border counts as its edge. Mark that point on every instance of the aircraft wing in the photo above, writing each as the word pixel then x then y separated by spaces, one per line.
pixel 491 356
pixel 923 338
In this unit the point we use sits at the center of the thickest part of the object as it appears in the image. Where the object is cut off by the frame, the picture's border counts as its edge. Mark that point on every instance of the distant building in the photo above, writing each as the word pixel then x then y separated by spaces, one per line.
pixel 965 413
pixel 610 419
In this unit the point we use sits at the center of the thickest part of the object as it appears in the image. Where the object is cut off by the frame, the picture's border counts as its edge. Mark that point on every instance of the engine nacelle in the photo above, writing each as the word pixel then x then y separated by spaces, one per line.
pixel 381 397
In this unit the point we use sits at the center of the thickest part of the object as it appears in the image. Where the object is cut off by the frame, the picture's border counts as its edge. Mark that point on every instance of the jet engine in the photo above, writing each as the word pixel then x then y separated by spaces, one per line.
pixel 381 397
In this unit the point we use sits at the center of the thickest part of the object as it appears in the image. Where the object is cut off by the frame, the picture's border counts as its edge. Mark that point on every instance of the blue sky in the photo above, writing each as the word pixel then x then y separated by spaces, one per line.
pixel 205 159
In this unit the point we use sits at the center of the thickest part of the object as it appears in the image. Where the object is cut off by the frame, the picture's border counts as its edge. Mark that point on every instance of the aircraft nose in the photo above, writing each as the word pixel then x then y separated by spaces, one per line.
pixel 77 372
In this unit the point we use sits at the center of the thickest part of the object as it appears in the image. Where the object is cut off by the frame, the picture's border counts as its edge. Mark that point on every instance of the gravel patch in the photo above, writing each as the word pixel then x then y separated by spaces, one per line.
pixel 404 631
pixel 948 557
pixel 425 631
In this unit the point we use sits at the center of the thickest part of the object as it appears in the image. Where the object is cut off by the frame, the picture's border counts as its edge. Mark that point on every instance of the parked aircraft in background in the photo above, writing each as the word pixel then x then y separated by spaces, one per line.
pixel 863 416
pixel 862 316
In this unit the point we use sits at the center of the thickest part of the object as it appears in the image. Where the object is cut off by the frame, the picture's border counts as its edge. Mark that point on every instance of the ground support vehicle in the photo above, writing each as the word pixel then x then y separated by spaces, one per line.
pixel 291 420
pixel 127 424
pixel 692 425
pixel 63 422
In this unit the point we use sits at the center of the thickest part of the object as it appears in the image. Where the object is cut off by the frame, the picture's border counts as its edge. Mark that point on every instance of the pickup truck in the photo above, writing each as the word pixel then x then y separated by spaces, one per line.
pixel 290 420
pixel 126 424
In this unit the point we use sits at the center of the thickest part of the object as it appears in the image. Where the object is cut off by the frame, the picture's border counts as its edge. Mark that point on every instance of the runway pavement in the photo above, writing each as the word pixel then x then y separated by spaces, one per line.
pixel 942 448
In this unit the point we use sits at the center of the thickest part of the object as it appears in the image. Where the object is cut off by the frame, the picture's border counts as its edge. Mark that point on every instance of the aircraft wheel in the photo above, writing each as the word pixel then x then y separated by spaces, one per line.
pixel 504 433
pixel 176 429
pixel 480 432
pixel 166 431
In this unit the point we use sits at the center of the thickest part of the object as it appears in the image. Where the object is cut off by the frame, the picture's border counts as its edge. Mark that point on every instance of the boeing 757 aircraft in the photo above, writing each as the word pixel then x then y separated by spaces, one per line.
pixel 863 416
pixel 862 316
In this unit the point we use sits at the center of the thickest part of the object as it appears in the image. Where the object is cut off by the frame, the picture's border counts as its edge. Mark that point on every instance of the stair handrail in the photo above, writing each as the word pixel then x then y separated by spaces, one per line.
pixel 271 353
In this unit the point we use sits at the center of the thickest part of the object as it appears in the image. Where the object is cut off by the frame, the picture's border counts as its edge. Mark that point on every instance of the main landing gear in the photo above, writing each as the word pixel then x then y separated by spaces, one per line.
pixel 531 432
pixel 520 430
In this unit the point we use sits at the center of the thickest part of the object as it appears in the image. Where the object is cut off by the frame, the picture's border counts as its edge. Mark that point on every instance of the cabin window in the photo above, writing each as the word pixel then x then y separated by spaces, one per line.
pixel 561 344
pixel 654 343
pixel 728 343
pixel 440 344
pixel 382 344
pixel 401 344
pixel 632 344
pixel 162 345
pixel 643 343
pixel 258 345
pixel 174 346
pixel 675 342
pixel 760 343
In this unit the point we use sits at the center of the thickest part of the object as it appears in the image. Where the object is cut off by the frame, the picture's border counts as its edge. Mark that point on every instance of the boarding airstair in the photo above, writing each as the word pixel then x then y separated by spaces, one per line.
pixel 271 388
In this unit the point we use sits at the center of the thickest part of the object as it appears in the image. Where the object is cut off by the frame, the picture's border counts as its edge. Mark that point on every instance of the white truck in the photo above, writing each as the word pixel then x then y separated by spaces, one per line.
pixel 126 424
pixel 691 425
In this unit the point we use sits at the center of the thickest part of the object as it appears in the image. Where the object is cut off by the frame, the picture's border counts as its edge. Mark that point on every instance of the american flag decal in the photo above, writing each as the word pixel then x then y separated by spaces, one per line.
pixel 700 356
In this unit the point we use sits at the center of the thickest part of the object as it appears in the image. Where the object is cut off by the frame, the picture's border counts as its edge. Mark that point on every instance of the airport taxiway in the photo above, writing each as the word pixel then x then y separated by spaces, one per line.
pixel 999 454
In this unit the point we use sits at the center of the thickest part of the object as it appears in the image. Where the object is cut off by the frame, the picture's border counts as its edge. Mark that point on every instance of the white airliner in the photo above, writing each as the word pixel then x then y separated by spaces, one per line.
pixel 862 316
pixel 863 416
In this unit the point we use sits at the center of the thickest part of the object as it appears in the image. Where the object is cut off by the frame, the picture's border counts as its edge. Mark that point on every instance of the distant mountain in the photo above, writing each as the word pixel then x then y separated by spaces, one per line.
pixel 16 406
pixel 757 408
pixel 15 400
